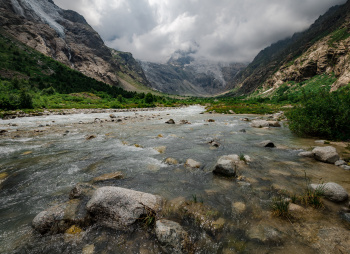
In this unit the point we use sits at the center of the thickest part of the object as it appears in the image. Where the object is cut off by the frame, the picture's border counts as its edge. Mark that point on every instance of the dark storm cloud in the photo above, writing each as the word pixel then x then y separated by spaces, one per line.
pixel 224 30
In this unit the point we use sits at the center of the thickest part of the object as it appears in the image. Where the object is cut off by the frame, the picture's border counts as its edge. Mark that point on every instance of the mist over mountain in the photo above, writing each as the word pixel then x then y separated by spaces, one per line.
pixel 186 74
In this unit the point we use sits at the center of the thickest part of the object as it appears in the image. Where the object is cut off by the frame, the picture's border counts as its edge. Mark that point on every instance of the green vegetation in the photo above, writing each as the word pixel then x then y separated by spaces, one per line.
pixel 292 92
pixel 338 35
pixel 280 207
pixel 30 80
pixel 241 105
pixel 322 114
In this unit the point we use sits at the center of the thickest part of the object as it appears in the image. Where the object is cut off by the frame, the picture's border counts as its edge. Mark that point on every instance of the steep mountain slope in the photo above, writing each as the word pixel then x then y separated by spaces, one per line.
pixel 290 55
pixel 185 75
pixel 61 34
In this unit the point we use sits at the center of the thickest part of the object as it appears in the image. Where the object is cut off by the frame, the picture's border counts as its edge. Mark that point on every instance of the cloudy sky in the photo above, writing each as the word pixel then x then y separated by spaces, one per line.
pixel 222 30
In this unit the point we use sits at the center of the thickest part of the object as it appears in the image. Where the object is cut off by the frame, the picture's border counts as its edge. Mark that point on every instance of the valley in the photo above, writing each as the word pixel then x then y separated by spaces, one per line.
pixel 101 152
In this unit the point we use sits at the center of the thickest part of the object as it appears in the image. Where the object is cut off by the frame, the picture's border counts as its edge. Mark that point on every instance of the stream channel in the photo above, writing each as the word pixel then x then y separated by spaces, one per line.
pixel 42 158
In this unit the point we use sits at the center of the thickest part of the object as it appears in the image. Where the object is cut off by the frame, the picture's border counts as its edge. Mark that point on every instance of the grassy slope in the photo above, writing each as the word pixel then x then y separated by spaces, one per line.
pixel 29 79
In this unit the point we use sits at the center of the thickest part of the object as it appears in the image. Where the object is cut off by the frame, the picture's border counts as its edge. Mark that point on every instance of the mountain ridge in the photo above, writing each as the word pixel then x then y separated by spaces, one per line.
pixel 63 35
pixel 272 58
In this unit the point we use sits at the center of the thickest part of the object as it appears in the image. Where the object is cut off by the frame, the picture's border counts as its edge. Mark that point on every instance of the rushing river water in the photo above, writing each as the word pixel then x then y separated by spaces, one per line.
pixel 40 165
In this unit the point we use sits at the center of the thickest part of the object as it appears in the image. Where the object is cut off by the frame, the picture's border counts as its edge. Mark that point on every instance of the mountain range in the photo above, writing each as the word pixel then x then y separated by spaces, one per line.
pixel 65 36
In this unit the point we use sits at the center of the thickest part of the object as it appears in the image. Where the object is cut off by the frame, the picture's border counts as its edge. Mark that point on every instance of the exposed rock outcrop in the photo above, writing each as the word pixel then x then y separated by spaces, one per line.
pixel 302 56
pixel 119 208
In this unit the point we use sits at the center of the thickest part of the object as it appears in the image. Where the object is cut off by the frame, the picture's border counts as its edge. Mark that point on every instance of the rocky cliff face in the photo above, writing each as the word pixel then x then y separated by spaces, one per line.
pixel 325 56
pixel 131 67
pixel 186 75
pixel 320 49
pixel 61 34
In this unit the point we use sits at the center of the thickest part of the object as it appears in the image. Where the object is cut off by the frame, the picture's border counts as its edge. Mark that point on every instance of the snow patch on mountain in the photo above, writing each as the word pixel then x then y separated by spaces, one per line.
pixel 43 10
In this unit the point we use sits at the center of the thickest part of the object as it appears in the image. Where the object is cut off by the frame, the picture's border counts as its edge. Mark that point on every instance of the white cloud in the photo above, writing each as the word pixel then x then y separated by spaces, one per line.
pixel 225 30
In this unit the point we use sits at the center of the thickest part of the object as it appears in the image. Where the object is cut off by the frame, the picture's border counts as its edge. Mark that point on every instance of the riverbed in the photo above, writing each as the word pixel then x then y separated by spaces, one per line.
pixel 42 158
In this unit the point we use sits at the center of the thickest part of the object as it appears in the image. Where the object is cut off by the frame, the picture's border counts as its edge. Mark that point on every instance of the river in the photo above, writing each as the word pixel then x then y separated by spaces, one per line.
pixel 42 158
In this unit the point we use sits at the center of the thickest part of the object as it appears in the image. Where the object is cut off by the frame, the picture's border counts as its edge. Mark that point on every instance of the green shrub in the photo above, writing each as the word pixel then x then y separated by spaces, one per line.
pixel 322 114
pixel 149 98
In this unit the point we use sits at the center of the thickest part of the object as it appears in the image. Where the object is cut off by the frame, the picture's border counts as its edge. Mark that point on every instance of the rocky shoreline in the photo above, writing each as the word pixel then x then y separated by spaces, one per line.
pixel 19 113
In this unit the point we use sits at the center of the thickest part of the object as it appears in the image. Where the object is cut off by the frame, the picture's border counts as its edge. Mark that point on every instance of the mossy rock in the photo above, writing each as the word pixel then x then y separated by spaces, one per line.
pixel 73 230
pixel 3 176
pixel 204 216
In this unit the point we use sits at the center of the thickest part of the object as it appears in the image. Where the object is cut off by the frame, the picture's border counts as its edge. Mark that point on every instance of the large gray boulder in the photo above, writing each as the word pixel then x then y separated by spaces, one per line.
pixel 332 191
pixel 326 154
pixel 259 123
pixel 119 208
pixel 172 237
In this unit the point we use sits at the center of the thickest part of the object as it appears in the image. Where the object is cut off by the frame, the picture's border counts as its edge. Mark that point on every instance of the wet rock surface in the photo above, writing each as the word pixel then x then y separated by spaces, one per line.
pixel 267 143
pixel 119 207
pixel 59 218
pixel 190 163
pixel 173 238
pixel 218 213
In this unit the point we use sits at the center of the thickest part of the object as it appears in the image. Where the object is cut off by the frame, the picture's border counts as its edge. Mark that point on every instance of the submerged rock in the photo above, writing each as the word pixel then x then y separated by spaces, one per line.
pixel 3 176
pixel 119 208
pixel 173 238
pixel 346 217
pixel 326 154
pixel 109 176
pixel 171 161
pixel 89 137
pixel 346 167
pixel 306 154
pixel 238 207
pixel 340 163
pixel 204 216
pixel 332 191
pixel 266 234
pixel 88 249
pixel 213 142
pixel 192 164
pixel 160 149
pixel 82 190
